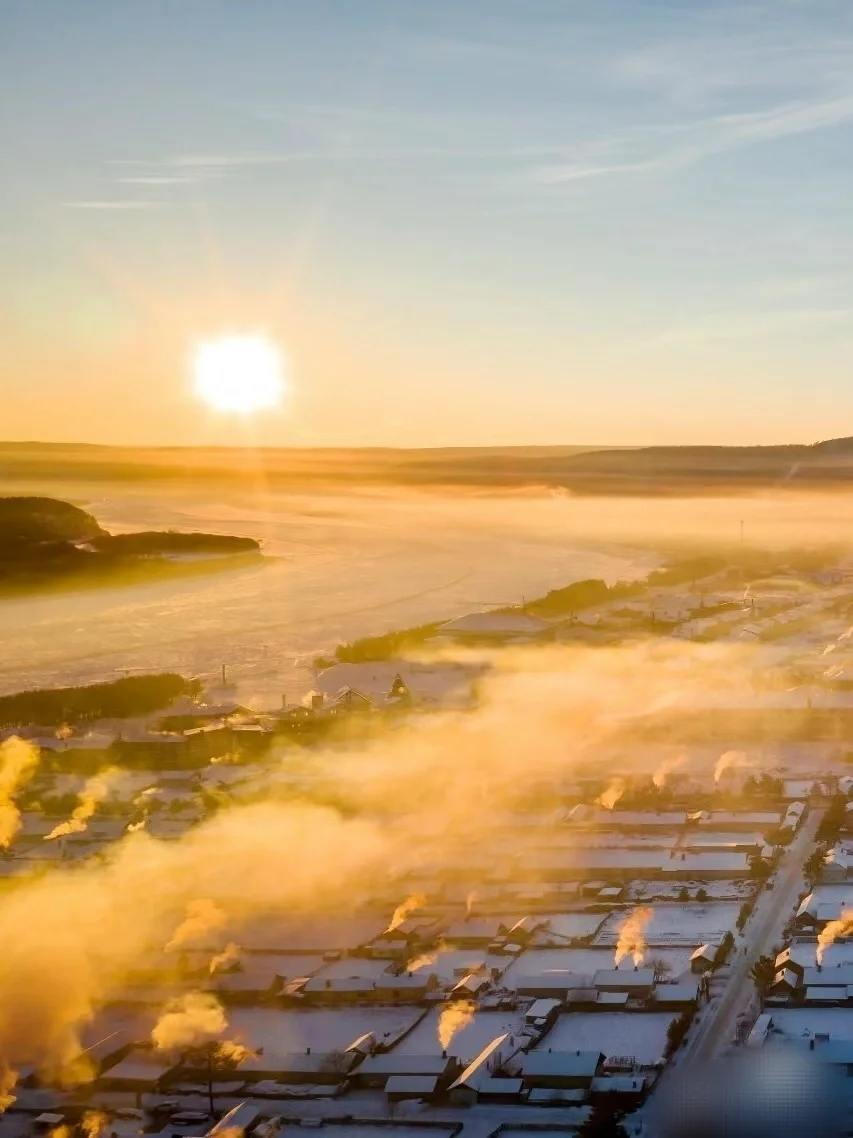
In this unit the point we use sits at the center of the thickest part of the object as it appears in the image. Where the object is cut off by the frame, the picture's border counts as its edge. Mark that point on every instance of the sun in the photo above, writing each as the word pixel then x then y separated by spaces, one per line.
pixel 239 374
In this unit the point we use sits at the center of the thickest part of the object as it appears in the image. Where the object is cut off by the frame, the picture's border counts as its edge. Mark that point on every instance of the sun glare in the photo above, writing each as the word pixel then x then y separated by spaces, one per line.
pixel 240 374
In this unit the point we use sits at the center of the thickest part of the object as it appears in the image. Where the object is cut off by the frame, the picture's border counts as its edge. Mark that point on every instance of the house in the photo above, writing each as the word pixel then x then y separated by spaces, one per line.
pixel 385 989
pixel 637 982
pixel 554 984
pixel 624 1091
pixel 470 986
pixel 679 996
pixel 319 1068
pixel 495 626
pixel 542 1013
pixel 390 684
pixel 236 1123
pixel 704 958
pixel 376 1070
pixel 787 960
pixel 141 1069
pixel 465 1091
pixel 561 1070
pixel 400 1087
pixel 786 983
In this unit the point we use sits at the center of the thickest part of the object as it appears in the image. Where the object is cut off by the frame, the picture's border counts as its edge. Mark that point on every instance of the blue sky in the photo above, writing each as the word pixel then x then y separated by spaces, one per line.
pixel 484 222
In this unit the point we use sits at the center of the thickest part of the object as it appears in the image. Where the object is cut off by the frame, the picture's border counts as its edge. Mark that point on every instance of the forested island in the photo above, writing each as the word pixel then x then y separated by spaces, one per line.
pixel 46 543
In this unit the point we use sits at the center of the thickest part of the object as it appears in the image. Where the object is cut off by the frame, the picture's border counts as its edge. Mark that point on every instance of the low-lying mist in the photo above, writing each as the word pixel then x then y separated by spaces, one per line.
pixel 423 794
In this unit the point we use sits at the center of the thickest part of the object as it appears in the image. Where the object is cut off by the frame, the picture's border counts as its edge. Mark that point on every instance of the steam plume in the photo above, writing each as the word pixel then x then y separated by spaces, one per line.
pixel 18 761
pixel 665 769
pixel 830 933
pixel 470 901
pixel 454 1016
pixel 93 1123
pixel 95 790
pixel 632 936
pixel 225 959
pixel 192 1018
pixel 8 1079
pixel 203 917
pixel 728 760
pixel 611 794
pixel 405 910
pixel 423 961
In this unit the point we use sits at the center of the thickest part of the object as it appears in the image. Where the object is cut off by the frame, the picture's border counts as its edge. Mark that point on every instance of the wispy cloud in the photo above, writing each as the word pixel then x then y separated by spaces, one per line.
pixel 689 143
pixel 113 205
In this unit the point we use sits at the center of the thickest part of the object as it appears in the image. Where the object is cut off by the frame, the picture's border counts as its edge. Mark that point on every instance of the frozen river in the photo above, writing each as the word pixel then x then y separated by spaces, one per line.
pixel 341 566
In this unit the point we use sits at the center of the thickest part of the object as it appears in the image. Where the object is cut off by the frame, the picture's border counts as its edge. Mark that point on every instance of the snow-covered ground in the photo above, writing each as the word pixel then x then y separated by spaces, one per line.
pixel 679 924
pixel 641 1034
pixel 283 1032
pixel 534 961
pixel 468 1042
pixel 799 1023
pixel 570 924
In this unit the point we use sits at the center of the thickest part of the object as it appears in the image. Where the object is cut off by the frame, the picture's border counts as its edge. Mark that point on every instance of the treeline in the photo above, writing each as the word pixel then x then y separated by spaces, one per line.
pixel 118 699
pixel 169 541
pixel 383 647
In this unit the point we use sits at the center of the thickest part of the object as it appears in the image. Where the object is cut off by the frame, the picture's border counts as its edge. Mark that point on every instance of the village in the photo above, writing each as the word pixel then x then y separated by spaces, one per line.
pixel 683 894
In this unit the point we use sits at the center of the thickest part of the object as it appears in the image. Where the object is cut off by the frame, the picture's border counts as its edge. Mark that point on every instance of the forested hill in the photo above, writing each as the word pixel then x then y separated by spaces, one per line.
pixel 49 543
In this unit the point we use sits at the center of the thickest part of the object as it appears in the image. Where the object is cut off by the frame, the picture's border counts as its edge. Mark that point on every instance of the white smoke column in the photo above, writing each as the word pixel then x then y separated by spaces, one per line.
pixel 405 910
pixel 18 761
pixel 632 935
pixel 95 790
pixel 830 933
pixel 225 959
pixel 8 1079
pixel 611 795
pixel 729 760
pixel 423 961
pixel 193 1018
pixel 666 768
pixel 93 1123
pixel 454 1016
pixel 203 917
pixel 470 901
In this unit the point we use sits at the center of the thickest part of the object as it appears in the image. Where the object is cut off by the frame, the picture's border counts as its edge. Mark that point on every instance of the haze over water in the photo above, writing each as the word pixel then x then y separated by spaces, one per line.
pixel 345 567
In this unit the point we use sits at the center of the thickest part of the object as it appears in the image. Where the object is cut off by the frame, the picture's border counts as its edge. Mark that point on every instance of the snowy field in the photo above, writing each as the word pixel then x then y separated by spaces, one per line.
pixel 841 952
pixel 468 1042
pixel 282 1032
pixel 799 1023
pixel 641 1034
pixel 454 963
pixel 535 961
pixel 570 925
pixel 679 924
pixel 670 890
pixel 834 894
pixel 354 966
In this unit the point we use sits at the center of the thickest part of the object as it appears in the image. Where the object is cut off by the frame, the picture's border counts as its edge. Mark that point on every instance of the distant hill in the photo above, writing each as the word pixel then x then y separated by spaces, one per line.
pixel 580 470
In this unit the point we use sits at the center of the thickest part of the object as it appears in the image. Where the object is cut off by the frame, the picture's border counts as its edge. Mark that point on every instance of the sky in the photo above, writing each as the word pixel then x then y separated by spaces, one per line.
pixel 463 222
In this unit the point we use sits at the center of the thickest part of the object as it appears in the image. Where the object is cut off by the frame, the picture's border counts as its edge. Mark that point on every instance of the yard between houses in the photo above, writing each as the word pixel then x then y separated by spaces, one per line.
pixel 640 1034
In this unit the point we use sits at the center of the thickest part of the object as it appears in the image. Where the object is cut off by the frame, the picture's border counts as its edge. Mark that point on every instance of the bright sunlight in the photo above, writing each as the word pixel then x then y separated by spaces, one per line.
pixel 241 374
